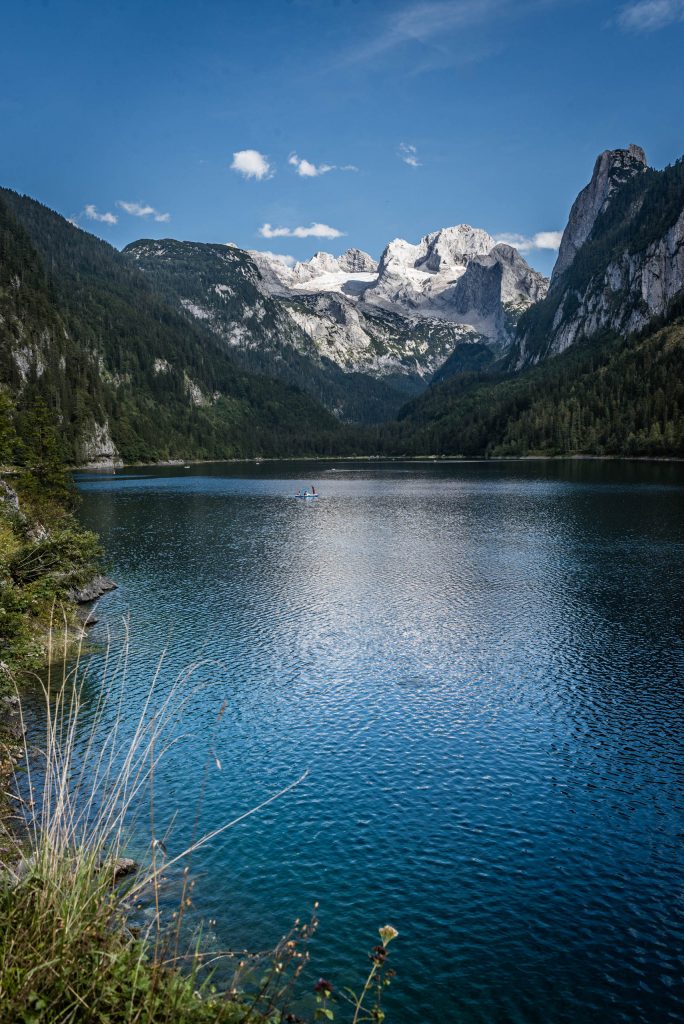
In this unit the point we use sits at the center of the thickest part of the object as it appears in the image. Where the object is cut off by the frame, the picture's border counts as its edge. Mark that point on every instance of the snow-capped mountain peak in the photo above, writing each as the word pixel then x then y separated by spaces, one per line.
pixel 460 274
pixel 457 274
pixel 439 251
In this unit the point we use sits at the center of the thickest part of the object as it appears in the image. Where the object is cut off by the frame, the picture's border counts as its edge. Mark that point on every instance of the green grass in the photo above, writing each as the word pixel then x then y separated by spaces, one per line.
pixel 66 955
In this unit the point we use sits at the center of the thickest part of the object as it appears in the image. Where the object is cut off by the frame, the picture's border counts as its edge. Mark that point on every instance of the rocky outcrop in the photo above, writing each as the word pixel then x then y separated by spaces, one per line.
pixel 612 169
pixel 98 586
pixel 8 496
pixel 11 718
pixel 97 446
pixel 632 291
pixel 355 261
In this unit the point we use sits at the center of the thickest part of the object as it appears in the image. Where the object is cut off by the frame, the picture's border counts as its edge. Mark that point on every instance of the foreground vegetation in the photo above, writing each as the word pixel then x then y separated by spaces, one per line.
pixel 45 554
pixel 69 951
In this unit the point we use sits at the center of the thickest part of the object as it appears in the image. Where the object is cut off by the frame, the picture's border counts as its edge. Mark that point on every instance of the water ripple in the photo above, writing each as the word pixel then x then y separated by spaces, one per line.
pixel 480 665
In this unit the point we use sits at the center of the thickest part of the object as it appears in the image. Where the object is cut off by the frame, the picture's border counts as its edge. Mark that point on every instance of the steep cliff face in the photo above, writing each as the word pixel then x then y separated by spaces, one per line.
pixel 634 289
pixel 612 169
pixel 621 266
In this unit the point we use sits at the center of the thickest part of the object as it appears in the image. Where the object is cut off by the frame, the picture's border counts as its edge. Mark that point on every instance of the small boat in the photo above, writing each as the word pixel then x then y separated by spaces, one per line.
pixel 306 495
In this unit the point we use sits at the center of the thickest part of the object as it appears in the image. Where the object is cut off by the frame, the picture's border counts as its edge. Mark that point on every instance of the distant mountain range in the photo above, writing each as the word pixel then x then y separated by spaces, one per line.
pixel 452 345
pixel 360 337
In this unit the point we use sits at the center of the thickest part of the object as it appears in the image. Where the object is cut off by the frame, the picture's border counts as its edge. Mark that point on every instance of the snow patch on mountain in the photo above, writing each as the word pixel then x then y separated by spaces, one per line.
pixel 347 274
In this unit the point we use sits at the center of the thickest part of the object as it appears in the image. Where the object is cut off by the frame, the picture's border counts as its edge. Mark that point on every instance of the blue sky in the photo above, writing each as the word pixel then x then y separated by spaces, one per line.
pixel 426 114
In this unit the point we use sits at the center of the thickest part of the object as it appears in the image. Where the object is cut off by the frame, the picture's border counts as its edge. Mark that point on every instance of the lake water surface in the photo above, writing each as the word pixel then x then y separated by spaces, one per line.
pixel 479 665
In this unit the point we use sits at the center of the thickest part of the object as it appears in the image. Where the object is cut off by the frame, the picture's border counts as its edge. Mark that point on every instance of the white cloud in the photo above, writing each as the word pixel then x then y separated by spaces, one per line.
pixel 251 164
pixel 547 239
pixel 313 231
pixel 648 15
pixel 427 21
pixel 287 261
pixel 409 154
pixel 91 213
pixel 143 210
pixel 523 243
pixel 305 169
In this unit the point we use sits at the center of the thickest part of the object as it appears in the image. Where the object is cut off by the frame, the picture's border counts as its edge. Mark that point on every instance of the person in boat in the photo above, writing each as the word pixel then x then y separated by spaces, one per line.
pixel 313 489
pixel 299 493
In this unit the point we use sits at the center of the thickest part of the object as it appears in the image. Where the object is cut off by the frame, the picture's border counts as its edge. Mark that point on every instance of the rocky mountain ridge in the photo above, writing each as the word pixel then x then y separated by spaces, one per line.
pixel 362 363
pixel 459 275
pixel 620 266
pixel 336 323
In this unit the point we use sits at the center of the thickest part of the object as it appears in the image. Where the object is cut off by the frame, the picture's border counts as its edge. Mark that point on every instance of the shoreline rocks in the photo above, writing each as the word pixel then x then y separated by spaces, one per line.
pixel 98 586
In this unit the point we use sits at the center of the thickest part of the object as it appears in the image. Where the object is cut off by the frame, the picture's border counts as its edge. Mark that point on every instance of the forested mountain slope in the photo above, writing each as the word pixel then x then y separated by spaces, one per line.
pixel 604 396
pixel 127 376
pixel 219 289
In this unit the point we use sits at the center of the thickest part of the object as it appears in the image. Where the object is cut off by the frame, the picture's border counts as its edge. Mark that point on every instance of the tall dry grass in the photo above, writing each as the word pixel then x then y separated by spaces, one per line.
pixel 68 951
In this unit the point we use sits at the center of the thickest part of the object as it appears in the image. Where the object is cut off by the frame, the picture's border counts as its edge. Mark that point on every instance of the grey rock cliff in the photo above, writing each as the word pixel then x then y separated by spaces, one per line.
pixel 633 290
pixel 632 267
pixel 98 586
pixel 612 168
pixel 458 274
pixel 98 448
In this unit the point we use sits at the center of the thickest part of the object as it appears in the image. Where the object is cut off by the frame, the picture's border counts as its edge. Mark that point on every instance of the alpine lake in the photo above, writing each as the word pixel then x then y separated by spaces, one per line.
pixel 478 668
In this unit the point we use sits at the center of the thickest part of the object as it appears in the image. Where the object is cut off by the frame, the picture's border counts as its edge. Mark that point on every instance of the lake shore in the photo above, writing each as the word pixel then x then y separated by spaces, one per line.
pixel 412 459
